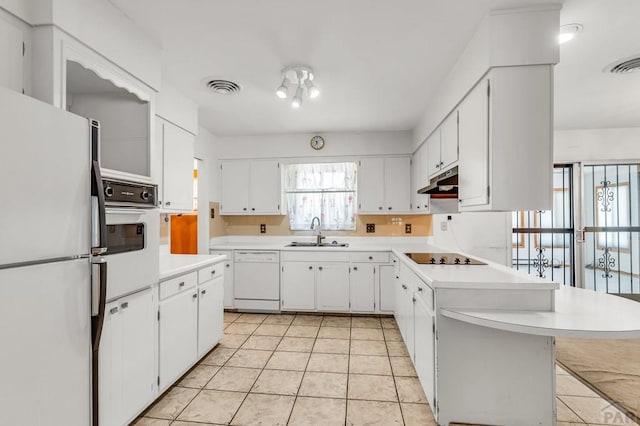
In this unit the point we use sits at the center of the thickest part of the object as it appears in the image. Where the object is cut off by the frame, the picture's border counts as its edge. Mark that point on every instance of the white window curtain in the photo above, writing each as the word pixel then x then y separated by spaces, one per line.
pixel 325 190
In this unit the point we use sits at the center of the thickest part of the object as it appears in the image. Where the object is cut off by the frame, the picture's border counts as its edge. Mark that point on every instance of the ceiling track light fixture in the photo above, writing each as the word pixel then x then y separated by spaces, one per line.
pixel 303 77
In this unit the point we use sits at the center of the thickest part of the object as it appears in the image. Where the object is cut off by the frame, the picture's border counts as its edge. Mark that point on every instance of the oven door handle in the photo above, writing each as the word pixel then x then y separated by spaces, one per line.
pixel 97 190
pixel 131 211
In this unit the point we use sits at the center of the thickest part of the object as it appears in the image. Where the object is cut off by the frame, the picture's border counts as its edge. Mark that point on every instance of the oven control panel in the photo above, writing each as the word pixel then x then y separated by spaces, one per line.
pixel 129 194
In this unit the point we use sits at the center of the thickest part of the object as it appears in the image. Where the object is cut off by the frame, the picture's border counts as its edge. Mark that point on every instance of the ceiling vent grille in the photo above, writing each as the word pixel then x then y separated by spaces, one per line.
pixel 223 87
pixel 626 66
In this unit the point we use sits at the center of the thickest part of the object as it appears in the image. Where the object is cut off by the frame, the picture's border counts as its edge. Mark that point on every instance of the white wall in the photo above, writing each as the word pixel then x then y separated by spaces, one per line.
pixel 205 149
pixel 297 145
pixel 175 107
pixel 614 145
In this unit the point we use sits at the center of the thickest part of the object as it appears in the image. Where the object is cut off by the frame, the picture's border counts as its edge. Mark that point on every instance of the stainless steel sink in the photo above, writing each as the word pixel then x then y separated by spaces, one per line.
pixel 310 244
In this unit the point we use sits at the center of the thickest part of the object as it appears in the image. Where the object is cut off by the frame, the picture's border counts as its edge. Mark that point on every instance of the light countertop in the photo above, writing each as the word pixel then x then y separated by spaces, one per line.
pixel 177 264
pixel 578 313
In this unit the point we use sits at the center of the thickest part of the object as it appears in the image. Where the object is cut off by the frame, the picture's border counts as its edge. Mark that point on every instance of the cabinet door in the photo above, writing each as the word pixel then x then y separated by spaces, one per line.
pixel 210 314
pixel 137 317
pixel 371 185
pixel 234 188
pixel 473 177
pixel 387 279
pixel 228 284
pixel 420 176
pixel 362 287
pixel 298 286
pixel 178 168
pixel 433 147
pixel 424 349
pixel 449 140
pixel 12 60
pixel 178 335
pixel 397 184
pixel 265 187
pixel 332 286
pixel 110 368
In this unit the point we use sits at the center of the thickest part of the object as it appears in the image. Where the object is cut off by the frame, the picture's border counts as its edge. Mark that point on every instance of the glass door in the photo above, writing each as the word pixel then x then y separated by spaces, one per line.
pixel 543 242
pixel 611 232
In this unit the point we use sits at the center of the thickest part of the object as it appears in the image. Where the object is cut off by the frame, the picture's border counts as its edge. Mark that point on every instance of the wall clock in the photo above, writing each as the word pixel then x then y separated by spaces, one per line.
pixel 317 142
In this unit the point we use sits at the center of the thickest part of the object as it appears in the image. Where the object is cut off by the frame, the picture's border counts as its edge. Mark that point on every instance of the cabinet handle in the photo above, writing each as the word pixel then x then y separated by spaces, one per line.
pixel 397 277
pixel 394 261
pixel 213 272
pixel 441 163
pixel 355 268
pixel 311 267
pixel 125 305
pixel 195 296
pixel 420 289
pixel 244 208
pixel 390 208
pixel 404 286
pixel 181 284
pixel 253 209
pixel 227 265
pixel 380 208
pixel 437 166
pixel 371 257
pixel 167 203
pixel 320 268
pixel 414 299
pixel 113 310
pixel 203 292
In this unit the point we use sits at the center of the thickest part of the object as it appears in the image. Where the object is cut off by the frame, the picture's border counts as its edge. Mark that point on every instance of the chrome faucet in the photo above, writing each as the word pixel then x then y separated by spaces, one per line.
pixel 318 228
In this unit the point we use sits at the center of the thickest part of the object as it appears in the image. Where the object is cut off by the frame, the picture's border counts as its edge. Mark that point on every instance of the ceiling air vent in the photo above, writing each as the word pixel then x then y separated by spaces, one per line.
pixel 626 66
pixel 223 87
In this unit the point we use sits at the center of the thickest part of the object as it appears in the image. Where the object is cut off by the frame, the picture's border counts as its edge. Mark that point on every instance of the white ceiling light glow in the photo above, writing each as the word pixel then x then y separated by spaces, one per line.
pixel 568 32
pixel 303 77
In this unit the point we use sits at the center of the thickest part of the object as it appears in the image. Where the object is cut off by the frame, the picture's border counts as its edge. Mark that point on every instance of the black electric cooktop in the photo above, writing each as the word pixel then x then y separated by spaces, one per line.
pixel 442 259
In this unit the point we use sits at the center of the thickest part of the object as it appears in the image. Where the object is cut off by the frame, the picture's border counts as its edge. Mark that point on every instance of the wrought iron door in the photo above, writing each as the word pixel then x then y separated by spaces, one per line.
pixel 611 228
pixel 543 241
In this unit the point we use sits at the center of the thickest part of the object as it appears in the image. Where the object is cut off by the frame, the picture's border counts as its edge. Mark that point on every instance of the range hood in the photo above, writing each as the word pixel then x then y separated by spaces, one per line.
pixel 445 185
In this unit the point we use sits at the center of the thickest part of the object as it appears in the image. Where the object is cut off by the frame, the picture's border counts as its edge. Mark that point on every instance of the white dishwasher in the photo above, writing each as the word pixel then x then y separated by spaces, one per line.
pixel 256 280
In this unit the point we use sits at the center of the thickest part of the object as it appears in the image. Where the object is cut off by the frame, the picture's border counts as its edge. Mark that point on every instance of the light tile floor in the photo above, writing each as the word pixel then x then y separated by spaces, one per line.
pixel 323 370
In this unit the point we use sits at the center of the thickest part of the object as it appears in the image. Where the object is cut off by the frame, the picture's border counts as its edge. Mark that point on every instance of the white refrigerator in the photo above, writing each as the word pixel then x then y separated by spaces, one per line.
pixel 45 265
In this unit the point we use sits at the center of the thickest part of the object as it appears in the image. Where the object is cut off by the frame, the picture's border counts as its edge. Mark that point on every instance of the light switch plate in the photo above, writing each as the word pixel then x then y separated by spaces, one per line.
pixel 444 226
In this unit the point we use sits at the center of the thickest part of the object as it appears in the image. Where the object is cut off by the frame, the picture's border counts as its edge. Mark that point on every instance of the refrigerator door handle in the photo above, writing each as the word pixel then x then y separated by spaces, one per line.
pixel 98 302
pixel 99 229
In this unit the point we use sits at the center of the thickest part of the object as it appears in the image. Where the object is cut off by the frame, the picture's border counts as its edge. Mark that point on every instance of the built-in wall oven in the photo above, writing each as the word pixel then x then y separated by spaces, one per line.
pixel 125 244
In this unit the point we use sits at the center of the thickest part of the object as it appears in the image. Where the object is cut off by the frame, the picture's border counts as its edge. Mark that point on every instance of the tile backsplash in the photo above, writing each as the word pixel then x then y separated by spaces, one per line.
pixel 385 225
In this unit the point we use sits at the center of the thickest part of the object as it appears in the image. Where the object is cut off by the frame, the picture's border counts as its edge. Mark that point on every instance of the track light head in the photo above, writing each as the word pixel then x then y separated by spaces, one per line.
pixel 282 90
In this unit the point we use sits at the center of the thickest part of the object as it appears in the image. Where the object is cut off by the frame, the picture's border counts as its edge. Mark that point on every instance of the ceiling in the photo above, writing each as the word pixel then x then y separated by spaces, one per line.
pixel 376 62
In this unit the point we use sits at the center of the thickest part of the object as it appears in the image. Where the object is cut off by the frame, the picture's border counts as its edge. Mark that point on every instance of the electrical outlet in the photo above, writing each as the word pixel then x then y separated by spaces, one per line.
pixel 213 214
pixel 407 228
pixel 263 228
pixel 444 226
pixel 371 227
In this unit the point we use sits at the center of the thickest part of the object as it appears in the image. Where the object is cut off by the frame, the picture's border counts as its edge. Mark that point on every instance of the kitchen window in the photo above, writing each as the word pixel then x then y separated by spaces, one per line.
pixel 325 190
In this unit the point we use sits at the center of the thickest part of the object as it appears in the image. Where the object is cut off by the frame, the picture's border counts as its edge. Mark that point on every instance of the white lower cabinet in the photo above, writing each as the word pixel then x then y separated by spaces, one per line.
pixel 424 348
pixel 190 319
pixel 127 358
pixel 178 335
pixel 210 314
pixel 332 287
pixel 362 287
pixel 228 276
pixel 298 286
pixel 387 279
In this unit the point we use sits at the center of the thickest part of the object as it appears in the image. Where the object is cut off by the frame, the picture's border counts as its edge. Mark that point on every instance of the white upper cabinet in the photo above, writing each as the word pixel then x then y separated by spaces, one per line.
pixel 443 145
pixel 473 175
pixel 250 187
pixel 449 141
pixel 371 185
pixel 11 66
pixel 177 166
pixel 384 185
pixel 420 179
pixel 506 144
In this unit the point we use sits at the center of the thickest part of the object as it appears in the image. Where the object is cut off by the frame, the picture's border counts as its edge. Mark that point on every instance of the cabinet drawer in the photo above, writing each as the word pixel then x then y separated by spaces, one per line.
pixel 424 292
pixel 176 285
pixel 210 272
pixel 376 257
